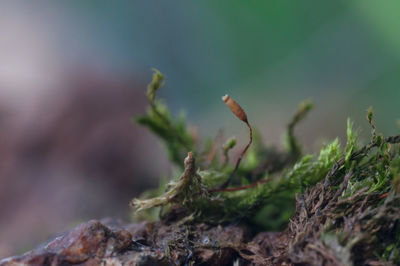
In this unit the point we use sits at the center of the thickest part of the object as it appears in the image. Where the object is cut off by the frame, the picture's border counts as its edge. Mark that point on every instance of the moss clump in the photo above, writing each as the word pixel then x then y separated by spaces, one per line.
pixel 347 201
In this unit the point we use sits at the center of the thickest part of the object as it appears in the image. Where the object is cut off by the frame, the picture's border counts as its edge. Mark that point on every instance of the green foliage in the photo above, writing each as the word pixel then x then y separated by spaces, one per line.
pixel 268 181
pixel 229 144
pixel 375 228
pixel 351 144
pixel 220 206
pixel 291 144
pixel 173 132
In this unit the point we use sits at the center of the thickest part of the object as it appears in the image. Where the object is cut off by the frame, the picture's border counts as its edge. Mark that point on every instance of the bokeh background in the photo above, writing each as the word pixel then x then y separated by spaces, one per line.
pixel 73 73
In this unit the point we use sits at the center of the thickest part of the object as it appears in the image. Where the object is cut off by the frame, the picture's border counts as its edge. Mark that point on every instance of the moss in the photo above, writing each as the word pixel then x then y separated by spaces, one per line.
pixel 159 120
pixel 267 184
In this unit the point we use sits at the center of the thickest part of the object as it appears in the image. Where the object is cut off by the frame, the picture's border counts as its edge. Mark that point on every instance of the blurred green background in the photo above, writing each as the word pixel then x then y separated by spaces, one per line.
pixel 268 55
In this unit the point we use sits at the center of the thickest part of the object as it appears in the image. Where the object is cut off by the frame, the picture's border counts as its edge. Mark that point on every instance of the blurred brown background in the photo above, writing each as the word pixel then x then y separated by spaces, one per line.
pixel 73 74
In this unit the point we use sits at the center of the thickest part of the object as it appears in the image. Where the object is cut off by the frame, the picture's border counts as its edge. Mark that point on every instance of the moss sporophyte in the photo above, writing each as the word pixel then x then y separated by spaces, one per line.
pixel 339 201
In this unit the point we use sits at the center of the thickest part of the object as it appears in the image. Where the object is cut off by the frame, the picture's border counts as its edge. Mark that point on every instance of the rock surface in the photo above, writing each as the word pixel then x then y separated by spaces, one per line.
pixel 108 242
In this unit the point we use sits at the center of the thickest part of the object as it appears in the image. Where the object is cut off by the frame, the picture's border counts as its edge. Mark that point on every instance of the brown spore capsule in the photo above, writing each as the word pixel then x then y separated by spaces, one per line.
pixel 235 108
pixel 239 112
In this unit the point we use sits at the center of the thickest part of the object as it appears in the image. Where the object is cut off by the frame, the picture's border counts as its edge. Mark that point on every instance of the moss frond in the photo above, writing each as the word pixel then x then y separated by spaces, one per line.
pixel 172 132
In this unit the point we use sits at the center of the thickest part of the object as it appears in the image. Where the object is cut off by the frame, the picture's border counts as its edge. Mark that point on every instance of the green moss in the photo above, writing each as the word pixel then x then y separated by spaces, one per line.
pixel 291 143
pixel 267 182
pixel 171 131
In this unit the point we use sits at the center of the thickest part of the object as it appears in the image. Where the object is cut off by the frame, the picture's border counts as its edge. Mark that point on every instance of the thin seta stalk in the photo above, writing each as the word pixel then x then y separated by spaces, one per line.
pixel 240 113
